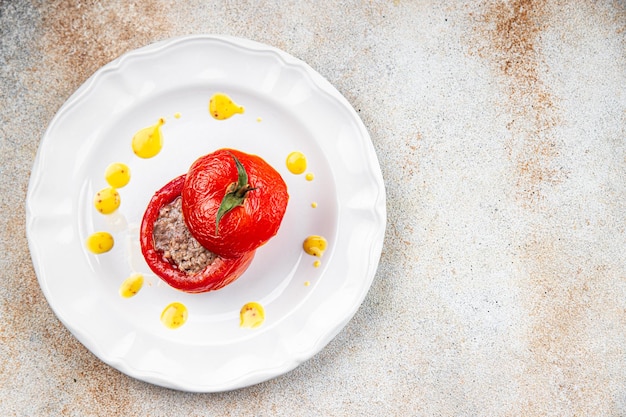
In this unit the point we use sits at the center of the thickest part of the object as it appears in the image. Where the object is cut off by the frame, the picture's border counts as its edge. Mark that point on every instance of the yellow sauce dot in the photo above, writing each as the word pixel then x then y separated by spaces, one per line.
pixel 258 119
pixel 107 200
pixel 315 245
pixel 317 264
pixel 296 162
pixel 307 283
pixel 148 141
pixel 117 175
pixel 222 107
pixel 131 285
pixel 314 204
pixel 177 115
pixel 100 242
pixel 309 176
pixel 174 315
pixel 252 315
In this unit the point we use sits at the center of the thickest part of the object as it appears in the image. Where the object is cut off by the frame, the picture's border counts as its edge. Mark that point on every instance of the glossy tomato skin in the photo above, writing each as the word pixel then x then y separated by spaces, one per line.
pixel 245 227
pixel 218 274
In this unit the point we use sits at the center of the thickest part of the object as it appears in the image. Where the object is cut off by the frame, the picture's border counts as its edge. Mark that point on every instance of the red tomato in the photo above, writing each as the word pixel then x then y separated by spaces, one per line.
pixel 216 275
pixel 233 202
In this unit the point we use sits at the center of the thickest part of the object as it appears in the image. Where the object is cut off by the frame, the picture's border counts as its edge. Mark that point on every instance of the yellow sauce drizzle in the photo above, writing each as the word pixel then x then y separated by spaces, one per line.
pixel 100 242
pixel 309 176
pixel 148 141
pixel 258 119
pixel 107 200
pixel 222 107
pixel 177 115
pixel 296 162
pixel 307 283
pixel 317 264
pixel 315 245
pixel 174 315
pixel 131 285
pixel 314 204
pixel 252 315
pixel 117 175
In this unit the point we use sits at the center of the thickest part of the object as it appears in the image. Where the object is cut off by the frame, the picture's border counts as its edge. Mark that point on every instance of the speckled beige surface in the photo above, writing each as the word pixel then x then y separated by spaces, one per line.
pixel 500 127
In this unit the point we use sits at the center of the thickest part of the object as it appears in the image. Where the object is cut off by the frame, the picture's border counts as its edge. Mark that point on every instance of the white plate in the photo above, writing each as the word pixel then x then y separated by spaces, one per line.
pixel 288 106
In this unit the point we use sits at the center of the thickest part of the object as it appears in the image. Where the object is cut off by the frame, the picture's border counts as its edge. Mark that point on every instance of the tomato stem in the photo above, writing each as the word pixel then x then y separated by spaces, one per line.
pixel 237 194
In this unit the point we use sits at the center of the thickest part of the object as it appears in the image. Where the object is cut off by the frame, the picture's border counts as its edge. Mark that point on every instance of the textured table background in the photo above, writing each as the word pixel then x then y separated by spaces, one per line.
pixel 500 127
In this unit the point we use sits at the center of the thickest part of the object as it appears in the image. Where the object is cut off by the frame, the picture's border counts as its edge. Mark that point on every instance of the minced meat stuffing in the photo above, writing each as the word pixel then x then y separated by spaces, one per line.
pixel 175 242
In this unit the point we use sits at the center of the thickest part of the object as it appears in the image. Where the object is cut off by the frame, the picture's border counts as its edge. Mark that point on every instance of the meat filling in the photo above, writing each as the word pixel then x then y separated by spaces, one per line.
pixel 175 242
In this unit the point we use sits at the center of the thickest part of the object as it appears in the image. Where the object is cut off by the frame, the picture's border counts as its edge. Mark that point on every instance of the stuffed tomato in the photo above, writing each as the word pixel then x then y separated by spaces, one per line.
pixel 172 252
